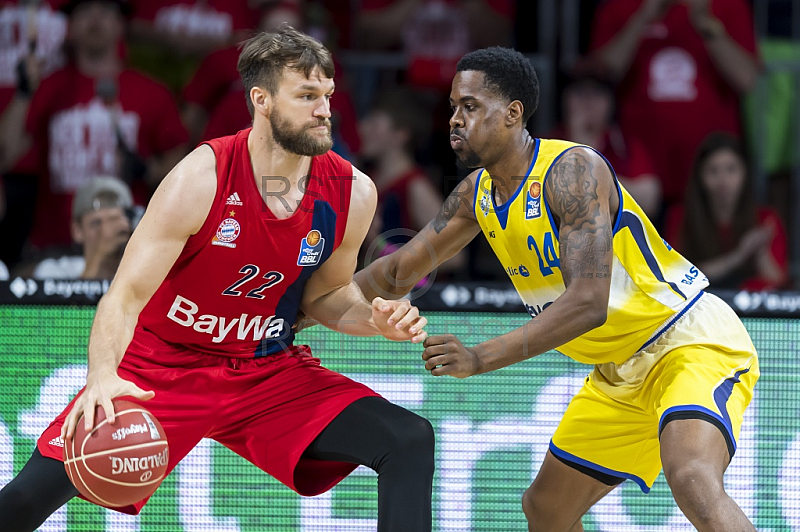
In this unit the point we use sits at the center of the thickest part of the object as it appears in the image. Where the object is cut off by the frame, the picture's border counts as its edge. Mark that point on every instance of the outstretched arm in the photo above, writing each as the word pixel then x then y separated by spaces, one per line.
pixel 582 197
pixel 176 211
pixel 394 275
pixel 332 298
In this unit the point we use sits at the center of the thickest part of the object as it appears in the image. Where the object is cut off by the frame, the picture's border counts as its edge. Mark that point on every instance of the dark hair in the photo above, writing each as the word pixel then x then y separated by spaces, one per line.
pixel 508 73
pixel 405 112
pixel 700 237
pixel 264 57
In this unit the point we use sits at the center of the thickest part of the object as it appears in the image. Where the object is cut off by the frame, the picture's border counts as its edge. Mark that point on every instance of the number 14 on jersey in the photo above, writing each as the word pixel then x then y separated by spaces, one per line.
pixel 548 259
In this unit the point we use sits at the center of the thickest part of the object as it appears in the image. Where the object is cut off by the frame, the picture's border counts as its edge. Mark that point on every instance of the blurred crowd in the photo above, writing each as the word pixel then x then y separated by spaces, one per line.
pixel 100 98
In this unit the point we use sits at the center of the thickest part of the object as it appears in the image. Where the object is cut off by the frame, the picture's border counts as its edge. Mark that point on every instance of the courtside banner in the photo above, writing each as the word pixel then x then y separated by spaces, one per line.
pixel 463 296
pixel 492 432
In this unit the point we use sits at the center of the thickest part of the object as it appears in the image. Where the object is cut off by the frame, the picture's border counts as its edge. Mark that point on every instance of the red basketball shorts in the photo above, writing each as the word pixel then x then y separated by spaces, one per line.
pixel 267 410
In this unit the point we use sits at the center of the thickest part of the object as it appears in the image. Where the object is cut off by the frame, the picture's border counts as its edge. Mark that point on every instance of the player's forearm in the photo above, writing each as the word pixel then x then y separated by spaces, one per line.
pixel 344 310
pixel 563 321
pixel 379 279
pixel 396 274
pixel 111 334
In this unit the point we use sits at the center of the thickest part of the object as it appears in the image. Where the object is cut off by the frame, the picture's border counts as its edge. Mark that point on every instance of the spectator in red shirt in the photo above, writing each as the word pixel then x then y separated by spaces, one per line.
pixel 186 27
pixel 31 39
pixel 588 109
pixel 434 34
pixel 407 199
pixel 169 38
pixel 35 29
pixel 682 65
pixel 96 117
pixel 390 132
pixel 733 241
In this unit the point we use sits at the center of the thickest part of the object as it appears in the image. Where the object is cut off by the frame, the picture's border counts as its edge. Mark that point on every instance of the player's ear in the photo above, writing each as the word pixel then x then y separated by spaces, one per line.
pixel 514 112
pixel 262 100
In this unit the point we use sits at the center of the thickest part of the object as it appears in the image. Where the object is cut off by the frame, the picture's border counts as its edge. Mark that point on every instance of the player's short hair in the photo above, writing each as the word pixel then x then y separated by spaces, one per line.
pixel 508 74
pixel 264 57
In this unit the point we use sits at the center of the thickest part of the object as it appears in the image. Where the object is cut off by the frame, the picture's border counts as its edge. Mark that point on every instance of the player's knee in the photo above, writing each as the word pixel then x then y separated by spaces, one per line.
pixel 417 436
pixel 696 487
pixel 17 507
pixel 536 509
pixel 413 439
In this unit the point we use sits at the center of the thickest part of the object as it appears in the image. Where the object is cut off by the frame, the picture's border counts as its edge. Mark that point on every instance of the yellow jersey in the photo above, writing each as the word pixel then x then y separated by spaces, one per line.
pixel 651 283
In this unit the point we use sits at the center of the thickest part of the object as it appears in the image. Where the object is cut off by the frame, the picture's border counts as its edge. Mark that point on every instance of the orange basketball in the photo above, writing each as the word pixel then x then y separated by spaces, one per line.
pixel 120 464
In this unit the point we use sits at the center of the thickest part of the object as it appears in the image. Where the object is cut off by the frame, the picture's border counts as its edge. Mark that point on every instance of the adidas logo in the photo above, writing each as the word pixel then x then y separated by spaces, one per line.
pixel 57 442
pixel 233 199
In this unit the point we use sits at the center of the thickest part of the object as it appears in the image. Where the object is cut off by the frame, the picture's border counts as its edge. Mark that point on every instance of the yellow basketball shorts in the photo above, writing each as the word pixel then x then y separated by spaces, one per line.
pixel 702 367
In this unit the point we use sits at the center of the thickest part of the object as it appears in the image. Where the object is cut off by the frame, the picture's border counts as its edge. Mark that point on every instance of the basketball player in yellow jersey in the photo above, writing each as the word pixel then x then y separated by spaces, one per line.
pixel 674 368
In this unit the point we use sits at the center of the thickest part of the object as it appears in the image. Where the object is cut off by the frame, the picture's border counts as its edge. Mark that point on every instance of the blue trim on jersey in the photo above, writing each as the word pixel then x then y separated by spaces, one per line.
pixel 704 410
pixel 502 210
pixel 477 188
pixel 723 392
pixel 632 222
pixel 564 455
pixel 617 222
pixel 675 318
pixel 324 221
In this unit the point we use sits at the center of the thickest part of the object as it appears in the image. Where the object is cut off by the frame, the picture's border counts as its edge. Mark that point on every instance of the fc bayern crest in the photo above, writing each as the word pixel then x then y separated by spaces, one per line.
pixel 227 232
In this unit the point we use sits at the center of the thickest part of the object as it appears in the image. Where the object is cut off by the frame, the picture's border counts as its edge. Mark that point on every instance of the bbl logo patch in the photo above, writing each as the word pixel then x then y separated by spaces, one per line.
pixel 533 204
pixel 311 249
pixel 227 232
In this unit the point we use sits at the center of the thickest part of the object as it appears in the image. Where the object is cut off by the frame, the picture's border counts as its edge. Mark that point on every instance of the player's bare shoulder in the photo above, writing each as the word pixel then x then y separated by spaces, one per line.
pixel 184 197
pixel 579 182
pixel 363 194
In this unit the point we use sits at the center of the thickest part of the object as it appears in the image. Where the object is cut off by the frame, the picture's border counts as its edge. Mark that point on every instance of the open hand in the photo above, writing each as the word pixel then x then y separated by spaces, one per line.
pixel 756 240
pixel 100 390
pixel 398 320
pixel 446 355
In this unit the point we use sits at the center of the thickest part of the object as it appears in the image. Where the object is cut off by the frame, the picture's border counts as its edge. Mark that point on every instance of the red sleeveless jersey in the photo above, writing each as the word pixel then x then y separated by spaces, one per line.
pixel 236 287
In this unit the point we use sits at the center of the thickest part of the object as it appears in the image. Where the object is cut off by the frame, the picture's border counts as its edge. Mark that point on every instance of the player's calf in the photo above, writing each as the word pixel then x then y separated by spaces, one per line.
pixel 41 488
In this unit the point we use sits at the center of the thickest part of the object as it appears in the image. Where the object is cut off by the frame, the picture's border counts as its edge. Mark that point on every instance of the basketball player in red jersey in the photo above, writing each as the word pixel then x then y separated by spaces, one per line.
pixel 197 322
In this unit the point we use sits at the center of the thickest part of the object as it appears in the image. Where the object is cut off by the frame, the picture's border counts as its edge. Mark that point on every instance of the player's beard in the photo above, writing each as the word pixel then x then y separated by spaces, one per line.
pixel 468 159
pixel 299 140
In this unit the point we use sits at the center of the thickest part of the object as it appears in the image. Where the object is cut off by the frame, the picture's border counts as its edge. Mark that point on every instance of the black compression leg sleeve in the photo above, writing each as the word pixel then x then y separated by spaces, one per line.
pixel 398 445
pixel 41 488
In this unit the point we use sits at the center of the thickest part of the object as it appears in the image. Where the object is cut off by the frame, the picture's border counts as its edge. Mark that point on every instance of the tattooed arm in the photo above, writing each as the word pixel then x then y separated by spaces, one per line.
pixel 582 197
pixel 394 275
